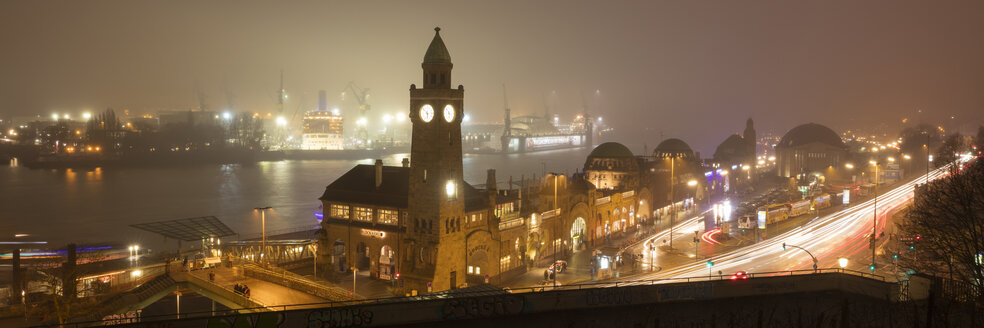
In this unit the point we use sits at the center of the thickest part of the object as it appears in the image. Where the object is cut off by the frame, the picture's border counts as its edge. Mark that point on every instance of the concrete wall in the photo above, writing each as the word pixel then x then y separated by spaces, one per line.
pixel 804 300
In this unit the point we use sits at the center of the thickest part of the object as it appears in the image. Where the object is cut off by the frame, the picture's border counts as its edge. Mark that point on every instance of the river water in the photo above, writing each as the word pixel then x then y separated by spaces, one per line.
pixel 97 206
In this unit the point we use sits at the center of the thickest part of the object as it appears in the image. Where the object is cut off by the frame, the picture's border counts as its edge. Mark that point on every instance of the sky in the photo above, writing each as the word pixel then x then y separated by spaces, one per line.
pixel 688 69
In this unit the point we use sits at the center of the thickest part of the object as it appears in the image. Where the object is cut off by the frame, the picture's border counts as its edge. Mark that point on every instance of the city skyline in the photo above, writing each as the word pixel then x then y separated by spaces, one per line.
pixel 679 64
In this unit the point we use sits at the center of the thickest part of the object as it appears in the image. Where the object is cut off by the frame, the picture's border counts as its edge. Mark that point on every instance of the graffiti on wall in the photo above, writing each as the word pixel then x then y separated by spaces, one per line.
pixel 608 296
pixel 696 291
pixel 483 307
pixel 345 317
pixel 255 320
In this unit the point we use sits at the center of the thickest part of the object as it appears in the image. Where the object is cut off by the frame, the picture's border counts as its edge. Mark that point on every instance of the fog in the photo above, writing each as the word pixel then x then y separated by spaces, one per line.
pixel 689 69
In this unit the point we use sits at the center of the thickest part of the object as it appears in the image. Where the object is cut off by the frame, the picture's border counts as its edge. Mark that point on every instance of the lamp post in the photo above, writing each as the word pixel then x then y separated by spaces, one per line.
pixel 354 271
pixel 815 268
pixel 842 262
pixel 555 233
pixel 263 224
pixel 874 221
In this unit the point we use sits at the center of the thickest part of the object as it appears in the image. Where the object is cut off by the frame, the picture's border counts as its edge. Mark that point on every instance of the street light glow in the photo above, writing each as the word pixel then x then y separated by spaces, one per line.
pixel 86 115
pixel 281 121
pixel 849 165
pixel 692 183
pixel 842 262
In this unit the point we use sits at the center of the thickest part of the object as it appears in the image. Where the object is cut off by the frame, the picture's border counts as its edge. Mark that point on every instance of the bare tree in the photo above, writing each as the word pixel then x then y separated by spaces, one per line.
pixel 945 227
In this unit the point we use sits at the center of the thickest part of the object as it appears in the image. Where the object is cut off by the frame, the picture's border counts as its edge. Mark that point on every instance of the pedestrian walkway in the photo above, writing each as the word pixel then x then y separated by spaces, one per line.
pixel 267 293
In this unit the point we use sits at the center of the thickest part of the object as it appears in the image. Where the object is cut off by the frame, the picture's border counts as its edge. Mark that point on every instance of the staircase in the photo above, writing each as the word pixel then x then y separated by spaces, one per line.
pixel 127 301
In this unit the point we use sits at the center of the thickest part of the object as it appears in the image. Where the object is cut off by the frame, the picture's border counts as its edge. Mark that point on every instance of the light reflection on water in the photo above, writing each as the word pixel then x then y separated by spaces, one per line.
pixel 98 205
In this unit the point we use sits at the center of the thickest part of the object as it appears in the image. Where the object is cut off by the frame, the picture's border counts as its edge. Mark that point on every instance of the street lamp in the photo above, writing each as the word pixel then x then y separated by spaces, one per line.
pixel 842 262
pixel 874 221
pixel 815 268
pixel 263 223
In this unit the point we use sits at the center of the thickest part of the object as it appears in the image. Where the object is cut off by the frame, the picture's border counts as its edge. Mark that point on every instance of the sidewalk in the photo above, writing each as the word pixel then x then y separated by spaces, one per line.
pixel 268 293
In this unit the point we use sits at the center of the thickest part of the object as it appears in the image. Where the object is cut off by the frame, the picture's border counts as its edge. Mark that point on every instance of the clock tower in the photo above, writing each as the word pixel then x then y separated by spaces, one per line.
pixel 436 191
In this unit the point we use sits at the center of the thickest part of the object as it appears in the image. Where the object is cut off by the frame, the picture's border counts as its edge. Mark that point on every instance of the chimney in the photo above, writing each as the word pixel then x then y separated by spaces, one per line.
pixel 406 162
pixel 490 183
pixel 379 173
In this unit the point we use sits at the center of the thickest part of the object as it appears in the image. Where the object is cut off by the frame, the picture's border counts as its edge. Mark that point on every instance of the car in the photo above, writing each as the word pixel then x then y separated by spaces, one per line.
pixel 561 266
pixel 740 275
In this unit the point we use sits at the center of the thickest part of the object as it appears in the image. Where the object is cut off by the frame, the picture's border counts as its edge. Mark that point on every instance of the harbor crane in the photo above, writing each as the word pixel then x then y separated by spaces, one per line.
pixel 362 96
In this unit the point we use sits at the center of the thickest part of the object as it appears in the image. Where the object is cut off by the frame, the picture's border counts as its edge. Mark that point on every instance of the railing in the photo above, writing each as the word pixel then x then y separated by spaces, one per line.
pixel 242 300
pixel 504 225
pixel 291 280
pixel 533 289
pixel 259 235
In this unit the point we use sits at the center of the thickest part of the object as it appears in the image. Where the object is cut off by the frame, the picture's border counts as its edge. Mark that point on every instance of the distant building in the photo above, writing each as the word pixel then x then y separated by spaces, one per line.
pixel 322 130
pixel 736 153
pixel 809 148
pixel 612 166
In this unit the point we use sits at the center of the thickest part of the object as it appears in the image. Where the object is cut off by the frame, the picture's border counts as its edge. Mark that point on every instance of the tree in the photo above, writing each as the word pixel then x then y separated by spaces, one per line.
pixel 947 153
pixel 947 217
pixel 979 140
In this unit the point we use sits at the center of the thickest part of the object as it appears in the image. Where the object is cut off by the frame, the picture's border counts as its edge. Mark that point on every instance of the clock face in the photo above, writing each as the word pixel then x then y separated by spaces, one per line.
pixel 427 113
pixel 448 113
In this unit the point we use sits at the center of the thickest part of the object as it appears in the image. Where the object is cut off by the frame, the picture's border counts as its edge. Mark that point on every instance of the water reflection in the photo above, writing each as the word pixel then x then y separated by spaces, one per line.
pixel 61 207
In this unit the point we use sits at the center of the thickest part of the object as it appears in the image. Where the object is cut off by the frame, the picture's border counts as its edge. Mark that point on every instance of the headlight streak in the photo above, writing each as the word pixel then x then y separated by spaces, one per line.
pixel 829 237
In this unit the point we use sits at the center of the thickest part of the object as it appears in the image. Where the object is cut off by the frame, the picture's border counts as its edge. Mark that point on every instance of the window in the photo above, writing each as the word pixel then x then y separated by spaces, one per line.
pixel 388 216
pixel 505 261
pixel 339 211
pixel 474 270
pixel 363 214
pixel 474 218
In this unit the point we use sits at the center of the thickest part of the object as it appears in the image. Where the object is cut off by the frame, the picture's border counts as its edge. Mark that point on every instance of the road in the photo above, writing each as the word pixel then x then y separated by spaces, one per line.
pixel 840 234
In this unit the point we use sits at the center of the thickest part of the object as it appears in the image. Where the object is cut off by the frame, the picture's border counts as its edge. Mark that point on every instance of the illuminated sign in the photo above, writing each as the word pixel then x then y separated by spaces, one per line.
pixel 373 233
pixel 847 197
pixel 761 219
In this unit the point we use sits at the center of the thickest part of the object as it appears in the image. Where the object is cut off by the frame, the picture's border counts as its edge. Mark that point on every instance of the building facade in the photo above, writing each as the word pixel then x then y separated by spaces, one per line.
pixel 809 148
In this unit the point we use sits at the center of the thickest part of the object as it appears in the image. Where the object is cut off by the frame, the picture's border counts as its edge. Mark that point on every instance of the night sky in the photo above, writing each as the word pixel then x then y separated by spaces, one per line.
pixel 689 69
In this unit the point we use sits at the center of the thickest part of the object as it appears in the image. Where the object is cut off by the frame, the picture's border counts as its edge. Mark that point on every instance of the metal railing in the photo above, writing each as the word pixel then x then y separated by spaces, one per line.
pixel 291 280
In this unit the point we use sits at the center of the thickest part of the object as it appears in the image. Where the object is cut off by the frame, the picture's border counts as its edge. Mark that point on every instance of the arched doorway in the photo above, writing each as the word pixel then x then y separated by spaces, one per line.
pixel 533 247
pixel 362 256
pixel 338 255
pixel 387 262
pixel 577 233
pixel 617 221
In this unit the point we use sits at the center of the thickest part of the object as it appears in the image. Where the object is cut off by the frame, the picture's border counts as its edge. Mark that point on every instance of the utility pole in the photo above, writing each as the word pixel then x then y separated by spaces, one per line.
pixel 672 200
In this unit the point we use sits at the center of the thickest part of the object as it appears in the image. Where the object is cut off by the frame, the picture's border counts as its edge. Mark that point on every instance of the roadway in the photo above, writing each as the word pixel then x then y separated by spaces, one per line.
pixel 844 233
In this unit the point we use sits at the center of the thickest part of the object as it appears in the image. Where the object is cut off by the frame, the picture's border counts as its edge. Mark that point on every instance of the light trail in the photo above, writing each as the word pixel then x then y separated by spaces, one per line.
pixel 844 233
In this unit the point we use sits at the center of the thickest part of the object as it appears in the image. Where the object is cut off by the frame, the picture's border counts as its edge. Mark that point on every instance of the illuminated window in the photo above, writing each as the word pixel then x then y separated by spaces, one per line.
pixel 363 214
pixel 505 261
pixel 450 190
pixel 388 216
pixel 339 211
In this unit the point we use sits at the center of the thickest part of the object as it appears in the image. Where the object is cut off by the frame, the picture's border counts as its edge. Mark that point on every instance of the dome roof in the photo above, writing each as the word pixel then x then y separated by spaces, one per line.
pixel 810 133
pixel 437 53
pixel 731 146
pixel 673 146
pixel 611 150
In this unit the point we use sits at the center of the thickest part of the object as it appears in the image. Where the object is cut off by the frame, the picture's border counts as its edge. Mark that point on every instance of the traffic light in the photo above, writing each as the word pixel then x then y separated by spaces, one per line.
pixel 912 247
pixel 784 246
pixel 896 255
pixel 709 264
pixel 871 267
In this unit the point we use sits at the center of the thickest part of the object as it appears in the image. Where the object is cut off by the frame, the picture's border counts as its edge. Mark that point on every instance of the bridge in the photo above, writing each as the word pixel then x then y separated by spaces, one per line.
pixel 830 297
